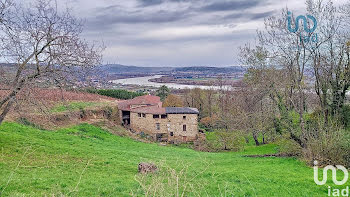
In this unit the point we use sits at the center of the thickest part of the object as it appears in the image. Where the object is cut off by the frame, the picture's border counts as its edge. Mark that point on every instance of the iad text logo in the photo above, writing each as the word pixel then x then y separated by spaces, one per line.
pixel 333 191
pixel 334 174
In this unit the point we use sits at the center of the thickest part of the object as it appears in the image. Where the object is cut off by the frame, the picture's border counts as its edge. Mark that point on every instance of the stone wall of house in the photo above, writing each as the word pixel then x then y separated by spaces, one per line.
pixel 147 124
pixel 172 124
pixel 176 126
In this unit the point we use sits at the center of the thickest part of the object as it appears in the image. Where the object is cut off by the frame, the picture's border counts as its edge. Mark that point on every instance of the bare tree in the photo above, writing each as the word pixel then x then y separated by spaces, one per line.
pixel 299 54
pixel 45 44
pixel 331 63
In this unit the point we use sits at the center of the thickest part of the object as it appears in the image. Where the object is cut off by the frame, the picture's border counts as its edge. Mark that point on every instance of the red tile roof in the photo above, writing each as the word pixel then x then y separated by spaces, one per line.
pixel 152 105
pixel 146 100
pixel 150 110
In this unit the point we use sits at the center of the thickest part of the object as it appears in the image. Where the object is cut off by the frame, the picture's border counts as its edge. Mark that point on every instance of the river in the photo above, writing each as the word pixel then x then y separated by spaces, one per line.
pixel 144 81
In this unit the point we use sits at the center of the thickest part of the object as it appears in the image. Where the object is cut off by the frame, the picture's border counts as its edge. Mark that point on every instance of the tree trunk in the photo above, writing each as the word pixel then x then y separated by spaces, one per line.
pixel 6 109
pixel 255 137
pixel 263 138
pixel 297 140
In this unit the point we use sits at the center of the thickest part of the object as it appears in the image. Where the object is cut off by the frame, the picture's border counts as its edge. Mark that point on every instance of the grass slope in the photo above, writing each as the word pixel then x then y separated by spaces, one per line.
pixel 73 106
pixel 87 161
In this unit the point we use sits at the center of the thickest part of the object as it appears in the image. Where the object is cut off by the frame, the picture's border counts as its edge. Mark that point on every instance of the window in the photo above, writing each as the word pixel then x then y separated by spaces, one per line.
pixel 171 133
pixel 184 127
pixel 157 126
pixel 164 116
pixel 155 116
pixel 139 114
pixel 144 115
pixel 184 117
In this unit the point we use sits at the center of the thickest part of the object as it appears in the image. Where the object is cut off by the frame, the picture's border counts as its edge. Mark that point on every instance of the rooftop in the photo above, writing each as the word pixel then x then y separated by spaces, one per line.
pixel 146 100
pixel 150 110
pixel 152 105
pixel 181 110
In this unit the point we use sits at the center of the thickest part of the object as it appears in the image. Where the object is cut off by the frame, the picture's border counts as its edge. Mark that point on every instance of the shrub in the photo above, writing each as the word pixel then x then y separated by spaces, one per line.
pixel 327 143
pixel 210 122
pixel 72 106
pixel 118 94
pixel 289 147
pixel 173 101
pixel 345 116
pixel 220 140
pixel 25 121
pixel 179 181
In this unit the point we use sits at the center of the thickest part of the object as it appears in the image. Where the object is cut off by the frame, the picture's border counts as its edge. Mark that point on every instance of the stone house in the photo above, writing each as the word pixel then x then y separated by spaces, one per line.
pixel 172 124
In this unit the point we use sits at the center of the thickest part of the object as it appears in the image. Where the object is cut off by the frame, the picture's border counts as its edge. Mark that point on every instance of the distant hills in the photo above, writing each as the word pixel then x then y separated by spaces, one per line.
pixel 122 69
pixel 204 69
pixel 118 69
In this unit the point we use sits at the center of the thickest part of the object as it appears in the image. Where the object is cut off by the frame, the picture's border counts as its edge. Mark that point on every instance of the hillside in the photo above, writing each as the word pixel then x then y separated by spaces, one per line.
pixel 87 161
pixel 55 108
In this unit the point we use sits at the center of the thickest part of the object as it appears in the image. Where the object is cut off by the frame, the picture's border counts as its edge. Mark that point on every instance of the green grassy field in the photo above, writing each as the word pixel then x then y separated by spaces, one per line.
pixel 87 161
pixel 73 106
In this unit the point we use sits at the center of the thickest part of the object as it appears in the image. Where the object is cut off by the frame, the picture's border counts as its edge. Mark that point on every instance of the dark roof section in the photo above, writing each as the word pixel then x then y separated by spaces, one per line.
pixel 181 110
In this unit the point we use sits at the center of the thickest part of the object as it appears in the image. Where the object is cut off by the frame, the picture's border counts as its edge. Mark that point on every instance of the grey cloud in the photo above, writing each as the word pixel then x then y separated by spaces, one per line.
pixel 193 14
pixel 230 5
pixel 249 16
pixel 117 16
pixel 146 3
pixel 150 2
pixel 157 17
pixel 129 27
pixel 261 15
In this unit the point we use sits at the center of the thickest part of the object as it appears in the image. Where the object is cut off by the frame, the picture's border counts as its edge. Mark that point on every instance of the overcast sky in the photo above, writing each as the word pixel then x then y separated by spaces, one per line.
pixel 175 32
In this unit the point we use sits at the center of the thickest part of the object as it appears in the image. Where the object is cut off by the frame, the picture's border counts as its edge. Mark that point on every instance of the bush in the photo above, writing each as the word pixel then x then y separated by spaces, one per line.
pixel 173 101
pixel 210 122
pixel 118 94
pixel 220 140
pixel 72 106
pixel 289 147
pixel 26 122
pixel 345 116
pixel 179 181
pixel 328 144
